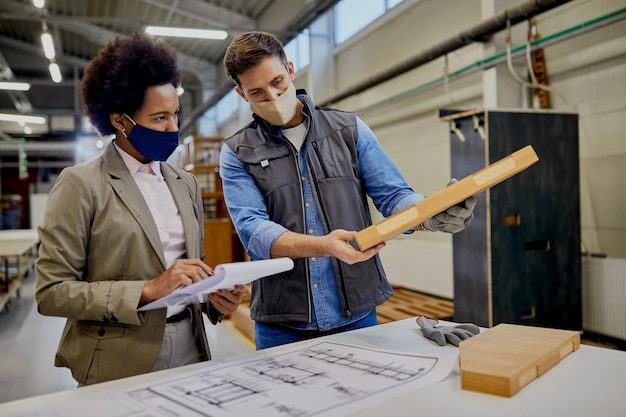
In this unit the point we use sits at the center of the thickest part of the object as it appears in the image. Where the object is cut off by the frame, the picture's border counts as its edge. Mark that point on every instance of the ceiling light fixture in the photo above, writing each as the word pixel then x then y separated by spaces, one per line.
pixel 187 33
pixel 55 72
pixel 48 45
pixel 39 3
pixel 7 117
pixel 7 85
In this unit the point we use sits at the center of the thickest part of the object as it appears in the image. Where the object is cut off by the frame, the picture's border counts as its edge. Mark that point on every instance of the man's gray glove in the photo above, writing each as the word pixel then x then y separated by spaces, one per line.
pixel 450 334
pixel 454 219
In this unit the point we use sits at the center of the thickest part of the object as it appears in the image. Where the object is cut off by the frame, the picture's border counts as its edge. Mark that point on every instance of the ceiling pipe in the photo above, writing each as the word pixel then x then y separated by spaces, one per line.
pixel 478 33
pixel 598 55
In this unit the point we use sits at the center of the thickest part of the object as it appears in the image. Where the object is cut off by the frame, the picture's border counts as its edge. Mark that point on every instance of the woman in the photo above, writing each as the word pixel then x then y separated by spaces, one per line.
pixel 126 228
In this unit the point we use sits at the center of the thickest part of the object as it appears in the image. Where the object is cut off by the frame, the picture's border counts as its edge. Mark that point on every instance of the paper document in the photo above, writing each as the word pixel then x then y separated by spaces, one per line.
pixel 225 276
pixel 315 379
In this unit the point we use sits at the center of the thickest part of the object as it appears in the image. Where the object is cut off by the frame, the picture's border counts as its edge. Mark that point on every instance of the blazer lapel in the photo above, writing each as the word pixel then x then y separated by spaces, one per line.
pixel 126 189
pixel 184 199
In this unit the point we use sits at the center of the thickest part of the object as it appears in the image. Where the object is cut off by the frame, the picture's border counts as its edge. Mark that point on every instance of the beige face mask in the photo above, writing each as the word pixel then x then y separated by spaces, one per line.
pixel 280 111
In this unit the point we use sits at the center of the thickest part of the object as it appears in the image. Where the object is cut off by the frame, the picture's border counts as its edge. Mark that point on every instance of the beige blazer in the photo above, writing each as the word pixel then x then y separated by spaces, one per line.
pixel 99 243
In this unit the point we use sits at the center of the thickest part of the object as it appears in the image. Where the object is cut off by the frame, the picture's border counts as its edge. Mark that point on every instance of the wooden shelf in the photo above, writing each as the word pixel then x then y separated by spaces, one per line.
pixel 18 254
pixel 18 271
pixel 6 297
pixel 201 157
pixel 205 167
pixel 214 194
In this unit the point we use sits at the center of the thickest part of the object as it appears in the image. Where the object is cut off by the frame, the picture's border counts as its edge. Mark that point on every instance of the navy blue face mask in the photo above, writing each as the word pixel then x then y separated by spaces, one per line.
pixel 152 144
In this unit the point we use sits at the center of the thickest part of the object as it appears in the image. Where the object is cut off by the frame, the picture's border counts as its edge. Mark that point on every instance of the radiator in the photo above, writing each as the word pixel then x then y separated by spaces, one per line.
pixel 604 296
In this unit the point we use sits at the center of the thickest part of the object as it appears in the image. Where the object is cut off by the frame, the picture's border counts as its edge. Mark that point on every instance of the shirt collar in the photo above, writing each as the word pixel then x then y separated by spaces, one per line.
pixel 134 165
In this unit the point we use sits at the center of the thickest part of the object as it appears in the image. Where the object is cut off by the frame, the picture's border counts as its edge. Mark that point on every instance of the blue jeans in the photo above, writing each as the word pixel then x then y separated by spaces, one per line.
pixel 274 334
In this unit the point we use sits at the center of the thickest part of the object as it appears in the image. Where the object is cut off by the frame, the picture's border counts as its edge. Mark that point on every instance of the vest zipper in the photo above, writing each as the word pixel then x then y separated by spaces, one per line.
pixel 347 311
pixel 319 158
pixel 306 269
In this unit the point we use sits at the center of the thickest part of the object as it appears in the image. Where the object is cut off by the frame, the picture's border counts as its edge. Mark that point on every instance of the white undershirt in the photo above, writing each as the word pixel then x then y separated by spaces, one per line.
pixel 158 197
pixel 296 135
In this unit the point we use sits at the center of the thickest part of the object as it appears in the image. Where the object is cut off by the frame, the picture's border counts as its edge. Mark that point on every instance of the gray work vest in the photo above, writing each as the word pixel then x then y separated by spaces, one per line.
pixel 340 199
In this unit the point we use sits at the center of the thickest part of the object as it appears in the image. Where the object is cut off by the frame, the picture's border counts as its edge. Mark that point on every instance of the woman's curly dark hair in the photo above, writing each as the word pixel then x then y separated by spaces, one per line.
pixel 118 77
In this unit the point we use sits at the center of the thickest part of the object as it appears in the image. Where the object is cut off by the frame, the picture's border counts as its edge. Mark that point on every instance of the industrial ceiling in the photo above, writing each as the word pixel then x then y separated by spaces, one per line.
pixel 80 28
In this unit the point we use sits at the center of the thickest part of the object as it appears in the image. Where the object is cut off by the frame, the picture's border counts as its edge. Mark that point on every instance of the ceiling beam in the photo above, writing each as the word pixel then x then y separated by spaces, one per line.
pixel 203 70
pixel 36 51
pixel 19 98
pixel 201 11
pixel 300 22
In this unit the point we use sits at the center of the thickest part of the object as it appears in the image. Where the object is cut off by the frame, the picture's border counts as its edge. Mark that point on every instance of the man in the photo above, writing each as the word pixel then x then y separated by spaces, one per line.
pixel 125 228
pixel 296 182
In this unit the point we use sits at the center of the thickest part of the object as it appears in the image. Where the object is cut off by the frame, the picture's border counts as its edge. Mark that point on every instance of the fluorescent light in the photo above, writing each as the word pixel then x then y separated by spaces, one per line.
pixel 7 117
pixel 39 3
pixel 187 33
pixel 55 72
pixel 6 85
pixel 48 45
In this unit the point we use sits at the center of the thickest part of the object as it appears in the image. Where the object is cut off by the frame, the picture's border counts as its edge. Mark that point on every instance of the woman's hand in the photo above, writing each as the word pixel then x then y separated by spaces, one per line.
pixel 226 301
pixel 182 272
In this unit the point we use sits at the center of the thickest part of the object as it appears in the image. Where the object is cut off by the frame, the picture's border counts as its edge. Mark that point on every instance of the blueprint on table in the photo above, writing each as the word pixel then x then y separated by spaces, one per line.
pixel 319 378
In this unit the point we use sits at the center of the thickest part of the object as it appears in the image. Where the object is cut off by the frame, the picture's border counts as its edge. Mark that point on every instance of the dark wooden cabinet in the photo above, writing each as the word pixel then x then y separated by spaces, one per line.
pixel 519 261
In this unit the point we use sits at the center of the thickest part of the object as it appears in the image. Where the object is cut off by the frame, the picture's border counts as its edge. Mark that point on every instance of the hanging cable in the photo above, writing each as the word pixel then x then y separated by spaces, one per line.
pixel 446 79
pixel 515 75
pixel 509 61
pixel 539 97
pixel 446 87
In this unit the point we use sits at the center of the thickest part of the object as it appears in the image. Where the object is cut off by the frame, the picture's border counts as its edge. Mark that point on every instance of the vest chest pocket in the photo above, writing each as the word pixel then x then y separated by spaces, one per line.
pixel 261 154
pixel 271 166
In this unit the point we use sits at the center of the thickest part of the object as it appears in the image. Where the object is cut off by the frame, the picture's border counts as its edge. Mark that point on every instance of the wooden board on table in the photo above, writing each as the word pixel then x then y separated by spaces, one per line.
pixel 507 357
pixel 471 185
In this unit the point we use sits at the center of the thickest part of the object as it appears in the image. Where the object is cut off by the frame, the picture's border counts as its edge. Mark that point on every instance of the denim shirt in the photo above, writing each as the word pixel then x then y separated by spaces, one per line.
pixel 383 183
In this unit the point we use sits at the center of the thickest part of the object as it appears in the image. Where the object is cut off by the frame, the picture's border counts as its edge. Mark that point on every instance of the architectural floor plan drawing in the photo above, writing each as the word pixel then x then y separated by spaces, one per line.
pixel 323 379
pixel 315 379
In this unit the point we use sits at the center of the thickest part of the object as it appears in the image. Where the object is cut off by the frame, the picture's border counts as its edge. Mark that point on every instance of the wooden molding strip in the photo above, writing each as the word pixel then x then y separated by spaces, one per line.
pixel 412 216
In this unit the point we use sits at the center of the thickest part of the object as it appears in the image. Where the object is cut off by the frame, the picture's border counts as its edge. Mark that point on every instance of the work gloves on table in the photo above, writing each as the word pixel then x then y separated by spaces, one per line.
pixel 446 334
pixel 454 219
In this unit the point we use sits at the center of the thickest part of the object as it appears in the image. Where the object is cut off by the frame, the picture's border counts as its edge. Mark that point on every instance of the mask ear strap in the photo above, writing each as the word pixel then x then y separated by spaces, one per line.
pixel 131 120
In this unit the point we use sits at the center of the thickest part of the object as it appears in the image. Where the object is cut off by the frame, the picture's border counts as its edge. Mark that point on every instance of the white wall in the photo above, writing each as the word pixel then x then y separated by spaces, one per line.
pixel 588 72
pixel 37 208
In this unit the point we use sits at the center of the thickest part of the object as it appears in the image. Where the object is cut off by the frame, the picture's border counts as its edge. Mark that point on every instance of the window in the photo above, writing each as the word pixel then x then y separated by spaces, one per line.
pixel 297 50
pixel 227 106
pixel 353 15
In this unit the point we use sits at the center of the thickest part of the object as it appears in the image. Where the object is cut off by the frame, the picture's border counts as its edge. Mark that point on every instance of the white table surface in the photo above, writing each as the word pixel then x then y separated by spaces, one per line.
pixel 17 242
pixel 19 234
pixel 588 382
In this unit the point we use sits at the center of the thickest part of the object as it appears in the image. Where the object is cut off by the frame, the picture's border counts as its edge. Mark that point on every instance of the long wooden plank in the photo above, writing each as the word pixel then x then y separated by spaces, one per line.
pixel 471 185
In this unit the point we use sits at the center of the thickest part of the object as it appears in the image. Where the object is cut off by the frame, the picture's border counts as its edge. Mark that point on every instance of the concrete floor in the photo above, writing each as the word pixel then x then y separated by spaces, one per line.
pixel 29 340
